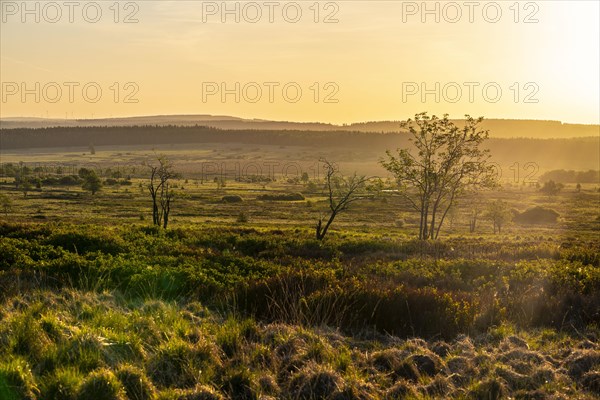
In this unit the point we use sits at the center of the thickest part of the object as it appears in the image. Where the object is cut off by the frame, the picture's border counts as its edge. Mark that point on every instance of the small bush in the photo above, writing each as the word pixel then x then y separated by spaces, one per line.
pixel 70 180
pixel 282 197
pixel 232 199
pixel 537 215
pixel 86 242
pixel 242 218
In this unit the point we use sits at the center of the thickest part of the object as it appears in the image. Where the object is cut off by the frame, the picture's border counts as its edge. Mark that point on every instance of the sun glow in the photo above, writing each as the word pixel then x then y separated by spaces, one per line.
pixel 351 61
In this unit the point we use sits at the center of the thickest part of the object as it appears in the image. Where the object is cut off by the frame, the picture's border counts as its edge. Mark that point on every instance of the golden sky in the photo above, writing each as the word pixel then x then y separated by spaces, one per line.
pixel 352 60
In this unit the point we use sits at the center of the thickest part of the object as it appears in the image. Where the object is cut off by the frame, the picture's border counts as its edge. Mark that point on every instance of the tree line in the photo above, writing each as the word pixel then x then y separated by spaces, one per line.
pixel 437 165
pixel 443 162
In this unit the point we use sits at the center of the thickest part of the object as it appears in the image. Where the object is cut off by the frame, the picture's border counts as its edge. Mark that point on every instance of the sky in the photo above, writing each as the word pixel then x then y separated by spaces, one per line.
pixel 327 61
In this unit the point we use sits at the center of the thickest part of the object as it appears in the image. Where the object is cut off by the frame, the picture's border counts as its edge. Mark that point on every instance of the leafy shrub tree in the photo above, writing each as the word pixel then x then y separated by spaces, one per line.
pixel 26 186
pixel 220 181
pixel 91 182
pixel 83 172
pixel 5 204
pixel 305 178
pixel 445 161
pixel 8 169
pixel 499 213
pixel 69 180
pixel 551 188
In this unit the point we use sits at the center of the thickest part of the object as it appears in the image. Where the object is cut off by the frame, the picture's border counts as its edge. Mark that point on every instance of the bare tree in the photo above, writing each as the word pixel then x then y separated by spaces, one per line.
pixel 475 208
pixel 160 190
pixel 446 160
pixel 341 192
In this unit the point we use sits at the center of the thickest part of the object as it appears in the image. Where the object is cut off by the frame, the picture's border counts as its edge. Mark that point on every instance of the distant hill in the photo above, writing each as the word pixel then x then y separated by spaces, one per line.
pixel 565 153
pixel 499 128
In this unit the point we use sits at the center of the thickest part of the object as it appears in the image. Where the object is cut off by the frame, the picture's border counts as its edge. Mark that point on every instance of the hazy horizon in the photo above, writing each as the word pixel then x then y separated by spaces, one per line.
pixel 252 118
pixel 332 62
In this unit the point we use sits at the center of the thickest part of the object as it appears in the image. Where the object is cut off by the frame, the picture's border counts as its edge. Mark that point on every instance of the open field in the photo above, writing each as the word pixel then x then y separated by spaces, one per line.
pixel 299 200
pixel 238 300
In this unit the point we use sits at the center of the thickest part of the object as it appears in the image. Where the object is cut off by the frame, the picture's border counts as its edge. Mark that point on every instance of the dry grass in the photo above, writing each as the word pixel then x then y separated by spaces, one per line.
pixel 189 356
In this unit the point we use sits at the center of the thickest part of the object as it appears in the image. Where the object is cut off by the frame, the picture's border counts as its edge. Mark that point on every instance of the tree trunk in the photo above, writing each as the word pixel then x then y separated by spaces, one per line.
pixel 421 222
pixel 166 210
pixel 432 228
pixel 425 234
pixel 322 232
pixel 318 229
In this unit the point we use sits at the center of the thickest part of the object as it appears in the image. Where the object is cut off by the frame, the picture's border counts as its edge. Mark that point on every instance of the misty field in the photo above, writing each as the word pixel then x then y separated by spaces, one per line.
pixel 238 299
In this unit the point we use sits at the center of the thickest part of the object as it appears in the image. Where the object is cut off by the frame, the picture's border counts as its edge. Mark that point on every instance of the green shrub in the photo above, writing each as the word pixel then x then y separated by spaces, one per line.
pixel 588 255
pixel 233 198
pixel 242 218
pixel 537 215
pixel 282 197
pixel 13 254
pixel 69 180
pixel 88 242
pixel 315 299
